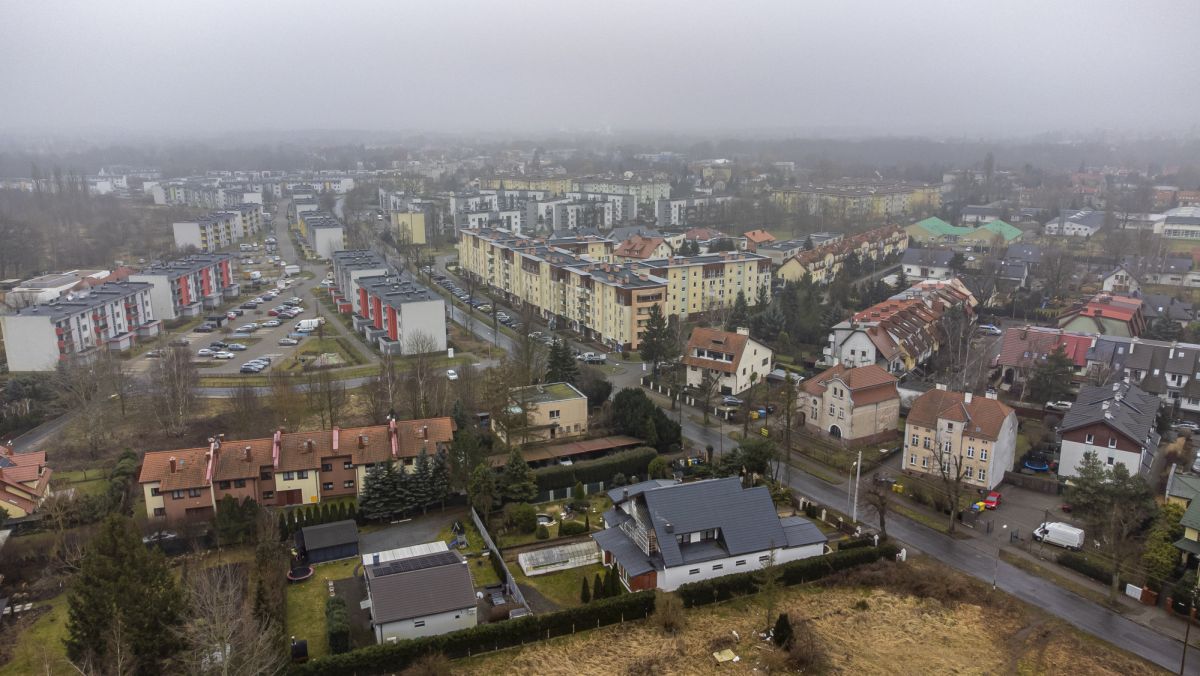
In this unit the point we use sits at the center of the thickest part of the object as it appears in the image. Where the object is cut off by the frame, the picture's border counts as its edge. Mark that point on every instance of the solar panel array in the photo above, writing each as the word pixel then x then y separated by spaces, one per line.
pixel 414 563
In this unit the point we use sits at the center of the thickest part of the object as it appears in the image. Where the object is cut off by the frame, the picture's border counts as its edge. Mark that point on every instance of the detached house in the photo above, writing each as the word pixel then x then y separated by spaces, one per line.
pixel 1116 422
pixel 928 264
pixel 855 404
pixel 976 437
pixel 736 360
pixel 24 481
pixel 543 412
pixel 660 535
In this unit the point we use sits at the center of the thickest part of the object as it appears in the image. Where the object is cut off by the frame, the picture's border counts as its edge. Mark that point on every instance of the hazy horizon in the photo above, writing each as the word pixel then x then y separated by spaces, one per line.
pixel 921 68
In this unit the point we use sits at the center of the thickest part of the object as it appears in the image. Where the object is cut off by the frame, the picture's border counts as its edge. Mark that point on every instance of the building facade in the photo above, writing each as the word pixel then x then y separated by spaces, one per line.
pixel 855 404
pixel 542 413
pixel 187 286
pixel 960 436
pixel 733 359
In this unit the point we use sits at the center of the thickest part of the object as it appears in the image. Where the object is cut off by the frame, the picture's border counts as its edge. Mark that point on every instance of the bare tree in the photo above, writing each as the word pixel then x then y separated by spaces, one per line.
pixel 287 402
pixel 246 410
pixel 529 357
pixel 116 379
pixel 326 397
pixel 949 467
pixel 171 388
pixel 709 385
pixel 221 634
pixel 879 498
pixel 422 351
pixel 80 386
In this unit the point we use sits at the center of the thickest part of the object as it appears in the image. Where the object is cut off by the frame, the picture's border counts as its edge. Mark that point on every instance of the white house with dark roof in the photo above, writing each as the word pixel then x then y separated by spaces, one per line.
pixel 1076 223
pixel 660 534
pixel 1116 422
pixel 426 594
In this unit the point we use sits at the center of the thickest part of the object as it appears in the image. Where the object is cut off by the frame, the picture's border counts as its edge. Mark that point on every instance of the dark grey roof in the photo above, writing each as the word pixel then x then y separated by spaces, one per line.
pixel 1028 253
pixel 97 296
pixel 419 593
pixel 329 534
pixel 801 532
pixel 1084 217
pixel 623 493
pixel 1012 270
pixel 746 517
pixel 612 516
pixel 443 558
pixel 1162 305
pixel 631 558
pixel 933 257
pixel 1123 407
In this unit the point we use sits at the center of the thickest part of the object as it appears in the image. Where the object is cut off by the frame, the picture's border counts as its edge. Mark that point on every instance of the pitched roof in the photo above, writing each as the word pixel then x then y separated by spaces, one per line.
pixel 982 416
pixel 939 228
pixel 933 257
pixel 703 338
pixel 867 384
pixel 1025 346
pixel 407 594
pixel 1125 408
pixel 1008 232
pixel 759 236
pixel 329 534
pixel 639 247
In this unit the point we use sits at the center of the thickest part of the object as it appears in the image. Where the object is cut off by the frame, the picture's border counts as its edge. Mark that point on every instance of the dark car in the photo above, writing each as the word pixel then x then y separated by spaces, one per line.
pixel 218 345
pixel 204 328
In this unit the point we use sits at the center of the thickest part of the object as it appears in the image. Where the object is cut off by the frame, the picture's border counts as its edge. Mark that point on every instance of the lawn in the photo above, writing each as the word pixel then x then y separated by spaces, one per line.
pixel 306 604
pixel 561 587
pixel 598 501
pixel 40 648
pixel 85 481
pixel 482 574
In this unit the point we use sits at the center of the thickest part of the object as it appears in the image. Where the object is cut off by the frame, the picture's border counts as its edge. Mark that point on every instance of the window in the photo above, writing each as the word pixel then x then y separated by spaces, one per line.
pixel 419 623
pixel 764 558
pixel 326 467
pixel 348 483
pixel 223 485
pixel 915 440
pixel 1089 439
pixel 982 475
pixel 925 462
pixel 193 492
pixel 946 447
pixel 302 474
pixel 155 492
pixel 926 443
pixel 741 563
pixel 288 476
pixel 718 567
pixel 694 571
pixel 949 427
pixel 265 476
pixel 912 458
pixel 160 511
pixel 983 454
pixel 327 486
pixel 1110 461
pixel 176 495
pixel 239 483
pixel 554 414
pixel 832 409
pixel 348 465
pixel 970 451
pixel 1112 442
pixel 268 495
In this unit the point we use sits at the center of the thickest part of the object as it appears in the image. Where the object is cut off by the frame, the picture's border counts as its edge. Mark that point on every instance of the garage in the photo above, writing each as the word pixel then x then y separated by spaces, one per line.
pixel 327 542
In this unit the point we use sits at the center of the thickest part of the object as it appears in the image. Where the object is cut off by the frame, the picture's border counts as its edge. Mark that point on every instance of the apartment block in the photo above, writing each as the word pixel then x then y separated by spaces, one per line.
pixel 219 229
pixel 957 434
pixel 111 316
pixel 399 315
pixel 683 211
pixel 623 206
pixel 284 469
pixel 324 233
pixel 185 287
pixel 348 267
pixel 824 262
pixel 860 200
pixel 409 226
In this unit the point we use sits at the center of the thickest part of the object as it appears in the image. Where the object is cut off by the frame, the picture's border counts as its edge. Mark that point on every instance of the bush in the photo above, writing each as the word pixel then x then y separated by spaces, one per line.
pixel 521 516
pixel 668 613
pixel 542 532
pixel 572 528
pixel 395 657
pixel 854 544
pixel 1080 563
pixel 782 635
pixel 619 479
pixel 632 461
pixel 337 625
pixel 794 572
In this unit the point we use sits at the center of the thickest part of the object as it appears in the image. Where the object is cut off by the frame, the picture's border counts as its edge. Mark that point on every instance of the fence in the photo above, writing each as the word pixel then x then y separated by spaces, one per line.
pixel 1041 484
pixel 668 392
pixel 566 493
pixel 508 581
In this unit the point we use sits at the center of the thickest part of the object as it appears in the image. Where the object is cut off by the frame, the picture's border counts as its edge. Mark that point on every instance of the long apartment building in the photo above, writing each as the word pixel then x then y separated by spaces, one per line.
pixel 186 286
pixel 348 267
pixel 824 262
pixel 219 229
pixel 107 317
pixel 298 468
pixel 399 315
pixel 858 200
pixel 573 283
pixel 685 210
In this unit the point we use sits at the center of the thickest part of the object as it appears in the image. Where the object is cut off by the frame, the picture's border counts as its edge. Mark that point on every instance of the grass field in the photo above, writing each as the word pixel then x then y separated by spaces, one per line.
pixel 874 626
pixel 40 649
pixel 306 604
pixel 562 587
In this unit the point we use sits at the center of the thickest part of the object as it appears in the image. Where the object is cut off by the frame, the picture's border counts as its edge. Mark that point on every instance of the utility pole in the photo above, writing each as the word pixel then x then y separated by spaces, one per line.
pixel 857 477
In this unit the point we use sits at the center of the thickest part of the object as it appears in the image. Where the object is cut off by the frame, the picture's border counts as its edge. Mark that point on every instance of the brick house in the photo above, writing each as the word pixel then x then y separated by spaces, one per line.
pixel 284 469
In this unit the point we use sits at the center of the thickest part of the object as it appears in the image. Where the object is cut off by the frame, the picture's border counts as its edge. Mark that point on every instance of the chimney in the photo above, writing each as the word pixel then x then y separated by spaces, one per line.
pixel 309 445
pixel 425 431
pixel 967 397
pixel 336 433
pixel 743 331
pixel 991 394
pixel 362 441
pixel 174 464
pixel 246 454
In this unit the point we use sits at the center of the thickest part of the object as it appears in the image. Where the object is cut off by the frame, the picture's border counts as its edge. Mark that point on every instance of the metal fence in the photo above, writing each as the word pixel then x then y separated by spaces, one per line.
pixel 509 583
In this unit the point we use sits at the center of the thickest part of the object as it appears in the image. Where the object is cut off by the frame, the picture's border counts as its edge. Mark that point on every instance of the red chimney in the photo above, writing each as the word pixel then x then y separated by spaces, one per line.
pixel 174 462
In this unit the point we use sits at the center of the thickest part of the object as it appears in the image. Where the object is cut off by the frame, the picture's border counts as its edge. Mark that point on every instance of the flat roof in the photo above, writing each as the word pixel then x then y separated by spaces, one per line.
pixel 540 394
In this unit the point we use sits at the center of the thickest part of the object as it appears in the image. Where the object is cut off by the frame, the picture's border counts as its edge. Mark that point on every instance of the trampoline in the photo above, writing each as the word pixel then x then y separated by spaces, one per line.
pixel 1037 465
pixel 299 574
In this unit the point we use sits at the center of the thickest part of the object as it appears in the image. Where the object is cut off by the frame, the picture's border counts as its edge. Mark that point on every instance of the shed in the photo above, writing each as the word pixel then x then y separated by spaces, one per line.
pixel 328 542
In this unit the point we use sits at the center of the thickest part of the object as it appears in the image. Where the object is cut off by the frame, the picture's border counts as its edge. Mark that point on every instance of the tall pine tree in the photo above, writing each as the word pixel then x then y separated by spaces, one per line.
pixel 517 482
pixel 439 479
pixel 561 365
pixel 421 480
pixel 373 499
pixel 740 315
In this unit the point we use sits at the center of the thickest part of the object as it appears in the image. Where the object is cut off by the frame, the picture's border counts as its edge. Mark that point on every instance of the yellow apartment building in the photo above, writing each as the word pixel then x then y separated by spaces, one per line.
pixel 552 411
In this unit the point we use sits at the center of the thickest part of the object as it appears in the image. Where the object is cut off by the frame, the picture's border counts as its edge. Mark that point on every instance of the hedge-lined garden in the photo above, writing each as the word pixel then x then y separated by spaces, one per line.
pixel 629 463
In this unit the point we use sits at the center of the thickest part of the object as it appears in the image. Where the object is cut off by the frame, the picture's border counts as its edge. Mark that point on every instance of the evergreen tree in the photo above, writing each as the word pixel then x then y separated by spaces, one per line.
pixel 613 584
pixel 373 499
pixel 782 635
pixel 1051 377
pixel 292 525
pixel 517 482
pixel 481 490
pixel 400 500
pixel 739 316
pixel 283 527
pixel 808 243
pixel 764 297
pixel 421 482
pixel 585 594
pixel 658 343
pixel 466 453
pixel 597 587
pixel 561 366
pixel 123 586
pixel 439 479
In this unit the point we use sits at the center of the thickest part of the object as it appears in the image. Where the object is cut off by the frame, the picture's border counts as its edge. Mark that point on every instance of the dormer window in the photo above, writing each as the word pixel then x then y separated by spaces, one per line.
pixel 1112 442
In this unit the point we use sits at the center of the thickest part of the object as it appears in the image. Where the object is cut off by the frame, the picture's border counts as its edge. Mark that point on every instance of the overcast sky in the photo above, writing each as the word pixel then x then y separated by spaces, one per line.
pixel 886 67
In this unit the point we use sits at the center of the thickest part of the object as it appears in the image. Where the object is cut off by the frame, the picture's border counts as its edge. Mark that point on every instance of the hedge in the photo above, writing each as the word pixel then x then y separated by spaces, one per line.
pixel 727 587
pixel 395 657
pixel 337 625
pixel 1082 564
pixel 572 528
pixel 854 544
pixel 629 463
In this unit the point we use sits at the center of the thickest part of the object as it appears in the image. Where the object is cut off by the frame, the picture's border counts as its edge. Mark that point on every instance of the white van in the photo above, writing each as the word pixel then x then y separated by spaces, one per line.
pixel 1061 534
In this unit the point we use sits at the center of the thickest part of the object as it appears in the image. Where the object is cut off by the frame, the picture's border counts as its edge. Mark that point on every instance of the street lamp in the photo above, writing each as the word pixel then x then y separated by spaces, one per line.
pixel 857 476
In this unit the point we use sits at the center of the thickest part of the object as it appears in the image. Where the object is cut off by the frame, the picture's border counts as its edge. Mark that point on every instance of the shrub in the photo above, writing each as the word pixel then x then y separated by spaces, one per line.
pixel 585 592
pixel 619 479
pixel 542 532
pixel 521 516
pixel 668 613
pixel 337 625
pixel 782 635
pixel 854 544
pixel 1080 563
pixel 572 528
pixel 632 461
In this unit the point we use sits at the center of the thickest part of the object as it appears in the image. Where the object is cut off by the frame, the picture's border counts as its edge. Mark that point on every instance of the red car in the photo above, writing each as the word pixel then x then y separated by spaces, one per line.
pixel 992 501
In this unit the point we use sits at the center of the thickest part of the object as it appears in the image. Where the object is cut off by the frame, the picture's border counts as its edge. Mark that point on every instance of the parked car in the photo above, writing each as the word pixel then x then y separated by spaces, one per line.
pixel 1186 425
pixel 989 330
pixel 272 323
pixel 154 354
pixel 223 355
pixel 451 374
pixel 730 400
pixel 247 368
pixel 247 328
pixel 235 347
pixel 179 342
pixel 205 352
pixel 288 341
pixel 1061 406
pixel 206 327
pixel 992 501
pixel 218 345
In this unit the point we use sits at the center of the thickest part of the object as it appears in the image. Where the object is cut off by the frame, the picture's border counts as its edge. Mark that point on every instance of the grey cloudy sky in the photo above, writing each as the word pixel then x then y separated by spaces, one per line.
pixel 910 66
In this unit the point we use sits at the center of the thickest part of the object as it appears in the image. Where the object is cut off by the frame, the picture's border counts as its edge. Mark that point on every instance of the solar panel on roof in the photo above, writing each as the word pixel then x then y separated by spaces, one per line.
pixel 415 563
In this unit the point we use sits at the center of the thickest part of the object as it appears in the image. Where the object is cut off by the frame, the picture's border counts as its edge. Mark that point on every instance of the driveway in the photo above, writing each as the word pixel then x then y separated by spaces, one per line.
pixel 417 531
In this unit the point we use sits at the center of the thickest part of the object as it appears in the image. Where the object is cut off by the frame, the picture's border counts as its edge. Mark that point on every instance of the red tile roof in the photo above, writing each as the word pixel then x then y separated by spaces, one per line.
pixel 759 236
pixel 718 341
pixel 1022 347
pixel 639 247
pixel 983 416
pixel 867 384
